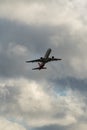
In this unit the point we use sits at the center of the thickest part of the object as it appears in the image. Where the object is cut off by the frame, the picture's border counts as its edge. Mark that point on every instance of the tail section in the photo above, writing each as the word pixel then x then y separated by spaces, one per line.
pixel 39 64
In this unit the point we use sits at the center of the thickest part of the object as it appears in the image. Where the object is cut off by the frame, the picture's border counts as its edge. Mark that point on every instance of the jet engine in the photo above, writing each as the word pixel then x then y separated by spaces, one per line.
pixel 52 57
pixel 41 58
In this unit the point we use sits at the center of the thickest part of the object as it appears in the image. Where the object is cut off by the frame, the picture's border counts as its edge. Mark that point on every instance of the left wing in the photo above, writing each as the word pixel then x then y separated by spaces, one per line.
pixel 37 60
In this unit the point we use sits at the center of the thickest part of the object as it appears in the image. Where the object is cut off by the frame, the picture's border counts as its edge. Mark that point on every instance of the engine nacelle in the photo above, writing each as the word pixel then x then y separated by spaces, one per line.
pixel 52 57
pixel 41 58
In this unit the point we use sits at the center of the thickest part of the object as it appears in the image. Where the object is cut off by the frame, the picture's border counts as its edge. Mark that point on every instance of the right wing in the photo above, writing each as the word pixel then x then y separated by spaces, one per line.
pixel 37 60
pixel 55 59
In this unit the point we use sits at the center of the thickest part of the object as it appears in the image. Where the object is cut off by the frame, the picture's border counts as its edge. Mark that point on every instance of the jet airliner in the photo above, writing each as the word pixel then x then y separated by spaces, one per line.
pixel 43 60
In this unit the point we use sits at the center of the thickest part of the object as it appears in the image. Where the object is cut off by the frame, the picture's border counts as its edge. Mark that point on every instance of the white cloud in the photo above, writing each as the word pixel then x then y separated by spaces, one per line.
pixel 40 105
pixel 8 125
pixel 81 126
pixel 47 12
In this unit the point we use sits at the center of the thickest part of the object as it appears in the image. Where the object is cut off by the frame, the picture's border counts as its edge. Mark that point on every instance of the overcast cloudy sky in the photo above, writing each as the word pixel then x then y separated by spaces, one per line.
pixel 52 99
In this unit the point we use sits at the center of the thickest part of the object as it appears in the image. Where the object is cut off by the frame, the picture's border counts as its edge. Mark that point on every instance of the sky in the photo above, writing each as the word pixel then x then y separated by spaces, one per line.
pixel 51 99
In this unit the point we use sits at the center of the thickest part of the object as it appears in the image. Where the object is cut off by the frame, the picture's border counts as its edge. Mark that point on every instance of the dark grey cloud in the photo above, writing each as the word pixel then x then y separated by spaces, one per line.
pixel 52 127
pixel 56 127
pixel 73 83
pixel 36 39
pixel 30 37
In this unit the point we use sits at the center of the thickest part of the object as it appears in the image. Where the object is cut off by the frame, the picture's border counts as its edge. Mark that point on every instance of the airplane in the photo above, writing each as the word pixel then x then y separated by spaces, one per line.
pixel 43 60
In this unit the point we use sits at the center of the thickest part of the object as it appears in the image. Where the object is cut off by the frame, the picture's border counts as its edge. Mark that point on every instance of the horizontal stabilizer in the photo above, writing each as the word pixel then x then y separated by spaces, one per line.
pixel 38 68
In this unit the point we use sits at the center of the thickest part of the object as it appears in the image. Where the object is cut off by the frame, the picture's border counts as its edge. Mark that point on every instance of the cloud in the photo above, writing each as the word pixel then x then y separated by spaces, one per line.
pixel 81 126
pixel 51 99
pixel 32 103
pixel 71 82
pixel 45 12
pixel 59 127
pixel 23 42
pixel 6 125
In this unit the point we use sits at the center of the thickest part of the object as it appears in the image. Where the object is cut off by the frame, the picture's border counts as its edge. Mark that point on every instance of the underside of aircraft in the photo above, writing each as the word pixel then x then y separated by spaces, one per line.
pixel 43 60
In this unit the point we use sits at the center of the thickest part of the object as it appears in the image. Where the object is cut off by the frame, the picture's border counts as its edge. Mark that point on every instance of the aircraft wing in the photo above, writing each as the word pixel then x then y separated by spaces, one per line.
pixel 55 59
pixel 37 60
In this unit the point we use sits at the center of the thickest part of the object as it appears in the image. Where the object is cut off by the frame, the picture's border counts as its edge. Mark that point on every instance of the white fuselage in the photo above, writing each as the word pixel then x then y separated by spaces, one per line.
pixel 46 58
pixel 47 53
